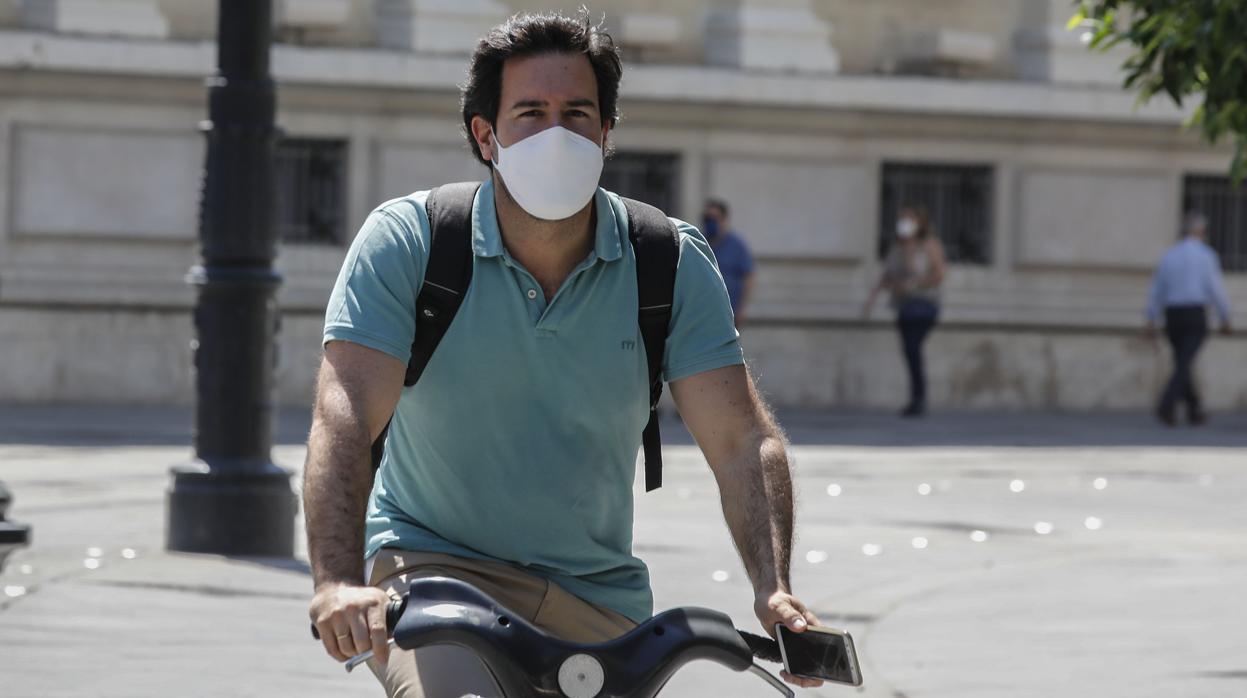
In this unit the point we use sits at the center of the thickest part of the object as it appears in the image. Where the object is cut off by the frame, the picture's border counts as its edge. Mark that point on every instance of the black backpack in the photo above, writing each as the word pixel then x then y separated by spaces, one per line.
pixel 656 245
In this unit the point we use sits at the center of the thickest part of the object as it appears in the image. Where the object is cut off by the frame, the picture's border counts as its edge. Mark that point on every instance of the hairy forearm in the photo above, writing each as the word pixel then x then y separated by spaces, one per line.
pixel 757 498
pixel 336 481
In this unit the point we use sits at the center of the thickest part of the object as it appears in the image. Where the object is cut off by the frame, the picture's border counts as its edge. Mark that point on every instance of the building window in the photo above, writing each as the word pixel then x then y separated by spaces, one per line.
pixel 311 190
pixel 1226 208
pixel 958 197
pixel 650 177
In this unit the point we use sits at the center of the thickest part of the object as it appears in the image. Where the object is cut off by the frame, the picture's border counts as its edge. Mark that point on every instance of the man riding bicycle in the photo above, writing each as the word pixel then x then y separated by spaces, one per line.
pixel 511 464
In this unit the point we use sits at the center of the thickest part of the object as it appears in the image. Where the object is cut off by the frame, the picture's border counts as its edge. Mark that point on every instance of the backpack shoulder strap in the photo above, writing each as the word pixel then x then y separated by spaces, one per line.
pixel 656 244
pixel 448 272
pixel 447 275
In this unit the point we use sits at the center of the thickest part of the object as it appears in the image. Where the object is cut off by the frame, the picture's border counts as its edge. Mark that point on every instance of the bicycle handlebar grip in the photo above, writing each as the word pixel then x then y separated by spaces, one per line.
pixel 763 648
pixel 393 612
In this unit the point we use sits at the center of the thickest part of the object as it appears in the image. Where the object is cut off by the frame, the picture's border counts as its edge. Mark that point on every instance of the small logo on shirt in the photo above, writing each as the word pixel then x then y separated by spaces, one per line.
pixel 627 345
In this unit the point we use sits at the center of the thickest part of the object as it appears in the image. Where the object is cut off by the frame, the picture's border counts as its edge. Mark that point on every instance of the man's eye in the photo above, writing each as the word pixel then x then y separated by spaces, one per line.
pixel 577 113
pixel 531 112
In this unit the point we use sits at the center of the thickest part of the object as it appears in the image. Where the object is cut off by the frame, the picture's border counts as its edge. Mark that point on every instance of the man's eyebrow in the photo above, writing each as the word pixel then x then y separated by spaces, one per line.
pixel 541 103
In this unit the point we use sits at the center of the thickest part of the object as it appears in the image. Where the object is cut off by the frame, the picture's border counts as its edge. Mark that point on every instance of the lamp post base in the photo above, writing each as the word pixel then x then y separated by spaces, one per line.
pixel 246 513
pixel 12 535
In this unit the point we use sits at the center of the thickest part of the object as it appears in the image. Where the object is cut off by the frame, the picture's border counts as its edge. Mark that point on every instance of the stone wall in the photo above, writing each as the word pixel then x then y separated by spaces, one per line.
pixel 143 357
pixel 975 367
pixel 130 356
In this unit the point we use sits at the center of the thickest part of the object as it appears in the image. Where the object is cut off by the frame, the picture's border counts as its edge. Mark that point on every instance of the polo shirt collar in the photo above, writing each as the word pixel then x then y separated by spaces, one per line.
pixel 487 238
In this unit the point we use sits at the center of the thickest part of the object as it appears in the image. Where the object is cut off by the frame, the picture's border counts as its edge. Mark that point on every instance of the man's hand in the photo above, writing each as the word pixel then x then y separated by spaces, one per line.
pixel 782 607
pixel 351 620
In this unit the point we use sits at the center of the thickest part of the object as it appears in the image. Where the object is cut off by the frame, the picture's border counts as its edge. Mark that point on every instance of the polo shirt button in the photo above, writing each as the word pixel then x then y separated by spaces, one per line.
pixel 532 294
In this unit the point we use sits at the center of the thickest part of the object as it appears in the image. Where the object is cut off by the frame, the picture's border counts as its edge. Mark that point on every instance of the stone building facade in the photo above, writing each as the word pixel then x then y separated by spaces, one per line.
pixel 813 118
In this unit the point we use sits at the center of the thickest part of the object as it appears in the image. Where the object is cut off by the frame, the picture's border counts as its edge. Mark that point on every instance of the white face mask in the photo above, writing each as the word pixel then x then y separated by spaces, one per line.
pixel 553 174
pixel 906 228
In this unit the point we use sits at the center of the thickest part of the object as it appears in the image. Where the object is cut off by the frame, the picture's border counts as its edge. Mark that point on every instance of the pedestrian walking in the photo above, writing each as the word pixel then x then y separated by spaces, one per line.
pixel 1187 281
pixel 732 254
pixel 912 274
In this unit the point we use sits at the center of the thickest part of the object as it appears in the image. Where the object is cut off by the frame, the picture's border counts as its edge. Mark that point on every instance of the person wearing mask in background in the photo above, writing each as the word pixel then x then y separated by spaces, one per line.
pixel 732 254
pixel 1187 281
pixel 912 273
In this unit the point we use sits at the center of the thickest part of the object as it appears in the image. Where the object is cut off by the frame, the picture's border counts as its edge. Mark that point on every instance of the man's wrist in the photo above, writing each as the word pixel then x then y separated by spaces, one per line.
pixel 769 588
pixel 336 580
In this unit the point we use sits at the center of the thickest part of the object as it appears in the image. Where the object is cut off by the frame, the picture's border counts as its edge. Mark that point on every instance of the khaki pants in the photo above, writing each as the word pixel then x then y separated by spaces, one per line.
pixel 447 671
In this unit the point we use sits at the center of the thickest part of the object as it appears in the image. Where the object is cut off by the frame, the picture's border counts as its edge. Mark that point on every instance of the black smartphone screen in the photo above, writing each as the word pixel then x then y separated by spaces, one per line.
pixel 820 655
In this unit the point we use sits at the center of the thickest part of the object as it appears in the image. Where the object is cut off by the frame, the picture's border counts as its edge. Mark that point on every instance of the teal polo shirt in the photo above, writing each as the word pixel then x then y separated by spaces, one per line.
pixel 519 444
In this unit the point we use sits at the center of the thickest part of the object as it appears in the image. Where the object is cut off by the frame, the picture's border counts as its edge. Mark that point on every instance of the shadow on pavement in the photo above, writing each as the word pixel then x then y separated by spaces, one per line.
pixel 993 429
pixel 117 425
pixel 102 425
pixel 278 563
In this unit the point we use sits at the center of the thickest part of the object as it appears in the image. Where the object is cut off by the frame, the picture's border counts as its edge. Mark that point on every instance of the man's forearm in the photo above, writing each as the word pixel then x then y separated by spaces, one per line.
pixel 336 481
pixel 757 499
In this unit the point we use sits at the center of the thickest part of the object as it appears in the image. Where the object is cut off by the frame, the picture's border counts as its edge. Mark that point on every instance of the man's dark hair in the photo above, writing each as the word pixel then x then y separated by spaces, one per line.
pixel 719 204
pixel 531 35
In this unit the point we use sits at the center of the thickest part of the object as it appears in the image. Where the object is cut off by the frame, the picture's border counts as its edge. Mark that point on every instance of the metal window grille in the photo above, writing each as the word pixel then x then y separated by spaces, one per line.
pixel 958 198
pixel 650 177
pixel 311 190
pixel 1226 208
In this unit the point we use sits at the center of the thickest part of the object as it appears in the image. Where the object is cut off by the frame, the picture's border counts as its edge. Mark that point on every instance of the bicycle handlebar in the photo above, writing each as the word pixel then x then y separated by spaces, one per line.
pixel 763 648
pixel 527 662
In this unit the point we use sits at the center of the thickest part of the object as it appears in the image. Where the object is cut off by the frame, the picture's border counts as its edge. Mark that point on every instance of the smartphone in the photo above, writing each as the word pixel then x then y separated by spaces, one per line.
pixel 820 653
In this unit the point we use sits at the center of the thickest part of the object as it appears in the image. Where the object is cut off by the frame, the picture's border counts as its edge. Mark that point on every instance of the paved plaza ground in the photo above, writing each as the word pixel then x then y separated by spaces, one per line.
pixel 971 555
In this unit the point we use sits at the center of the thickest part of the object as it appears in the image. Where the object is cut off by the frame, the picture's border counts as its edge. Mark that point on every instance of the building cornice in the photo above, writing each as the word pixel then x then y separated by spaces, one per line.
pixel 672 84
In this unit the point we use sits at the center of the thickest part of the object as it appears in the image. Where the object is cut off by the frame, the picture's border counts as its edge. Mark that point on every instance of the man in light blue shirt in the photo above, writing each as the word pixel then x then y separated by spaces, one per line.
pixel 511 463
pixel 1187 281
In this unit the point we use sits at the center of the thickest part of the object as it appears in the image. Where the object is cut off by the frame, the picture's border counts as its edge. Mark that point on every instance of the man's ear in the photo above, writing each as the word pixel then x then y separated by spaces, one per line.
pixel 483 134
pixel 606 139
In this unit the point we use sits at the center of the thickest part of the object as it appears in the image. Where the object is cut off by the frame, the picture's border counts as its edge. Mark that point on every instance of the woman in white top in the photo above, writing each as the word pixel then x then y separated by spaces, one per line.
pixel 912 274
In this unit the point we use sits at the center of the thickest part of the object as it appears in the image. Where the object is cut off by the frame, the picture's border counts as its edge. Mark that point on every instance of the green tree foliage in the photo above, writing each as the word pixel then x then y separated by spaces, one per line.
pixel 1184 49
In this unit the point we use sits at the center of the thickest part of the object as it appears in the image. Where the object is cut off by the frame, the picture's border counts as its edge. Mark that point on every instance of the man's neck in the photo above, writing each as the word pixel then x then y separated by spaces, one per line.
pixel 549 250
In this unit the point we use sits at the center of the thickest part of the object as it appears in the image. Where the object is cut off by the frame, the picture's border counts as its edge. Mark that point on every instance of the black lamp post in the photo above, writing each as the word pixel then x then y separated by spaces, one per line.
pixel 232 499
